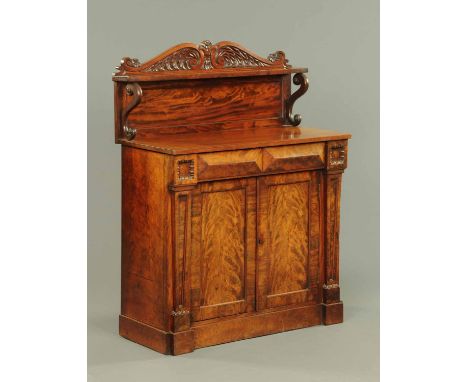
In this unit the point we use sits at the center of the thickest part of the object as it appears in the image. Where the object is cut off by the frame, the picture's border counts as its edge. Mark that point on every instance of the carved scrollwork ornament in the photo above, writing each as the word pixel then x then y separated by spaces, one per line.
pixel 133 90
pixel 205 56
pixel 183 59
pixel 180 312
pixel 205 48
pixel 278 56
pixel 330 286
pixel 205 45
pixel 302 80
pixel 132 62
pixel 233 57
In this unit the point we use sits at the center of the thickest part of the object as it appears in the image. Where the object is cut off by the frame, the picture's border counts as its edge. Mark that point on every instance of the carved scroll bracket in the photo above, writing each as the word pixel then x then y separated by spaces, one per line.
pixel 133 90
pixel 298 79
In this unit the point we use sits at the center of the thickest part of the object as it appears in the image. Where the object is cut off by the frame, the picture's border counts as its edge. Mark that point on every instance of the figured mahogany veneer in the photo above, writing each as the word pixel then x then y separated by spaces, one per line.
pixel 229 164
pixel 230 212
pixel 289 228
pixel 293 157
pixel 226 140
pixel 198 101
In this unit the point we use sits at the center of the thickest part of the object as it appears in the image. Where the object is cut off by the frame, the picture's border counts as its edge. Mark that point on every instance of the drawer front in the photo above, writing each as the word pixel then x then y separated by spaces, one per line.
pixel 229 164
pixel 293 157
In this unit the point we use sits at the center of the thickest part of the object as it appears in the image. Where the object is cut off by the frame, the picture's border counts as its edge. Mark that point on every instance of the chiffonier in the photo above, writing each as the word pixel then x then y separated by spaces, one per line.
pixel 230 211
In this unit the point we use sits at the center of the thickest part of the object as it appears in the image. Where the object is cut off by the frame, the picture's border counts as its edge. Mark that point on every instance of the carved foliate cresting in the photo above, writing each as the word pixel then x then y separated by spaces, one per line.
pixel 205 56
pixel 205 47
pixel 184 59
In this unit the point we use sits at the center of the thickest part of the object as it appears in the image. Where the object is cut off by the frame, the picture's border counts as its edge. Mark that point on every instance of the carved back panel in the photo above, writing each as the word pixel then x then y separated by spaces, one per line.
pixel 191 88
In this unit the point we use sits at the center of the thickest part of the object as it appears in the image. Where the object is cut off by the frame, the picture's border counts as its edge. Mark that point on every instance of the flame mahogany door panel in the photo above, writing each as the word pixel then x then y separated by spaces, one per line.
pixel 289 231
pixel 222 263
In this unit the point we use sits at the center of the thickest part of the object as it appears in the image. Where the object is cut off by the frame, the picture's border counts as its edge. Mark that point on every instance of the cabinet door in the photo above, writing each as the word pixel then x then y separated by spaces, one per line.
pixel 223 248
pixel 289 231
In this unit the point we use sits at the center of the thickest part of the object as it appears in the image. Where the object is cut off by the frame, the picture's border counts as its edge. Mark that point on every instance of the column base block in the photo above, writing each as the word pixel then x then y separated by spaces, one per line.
pixel 332 313
pixel 156 339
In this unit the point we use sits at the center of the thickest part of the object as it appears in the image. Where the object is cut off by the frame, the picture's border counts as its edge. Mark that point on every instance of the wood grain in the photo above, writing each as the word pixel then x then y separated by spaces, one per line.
pixel 229 164
pixel 332 218
pixel 260 324
pixel 145 335
pixel 230 217
pixel 288 253
pixel 201 101
pixel 333 306
pixel 205 60
pixel 297 157
pixel 235 139
pixel 223 252
pixel 288 241
pixel 182 245
pixel 203 87
pixel 332 313
pixel 118 107
pixel 209 333
pixel 145 207
pixel 223 238
pixel 209 75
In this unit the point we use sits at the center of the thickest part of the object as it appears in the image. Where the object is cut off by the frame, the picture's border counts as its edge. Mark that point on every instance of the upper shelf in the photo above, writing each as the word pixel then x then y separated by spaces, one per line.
pixel 206 60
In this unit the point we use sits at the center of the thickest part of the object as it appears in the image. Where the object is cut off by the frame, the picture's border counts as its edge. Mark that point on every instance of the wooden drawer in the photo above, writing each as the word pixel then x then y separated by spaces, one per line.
pixel 239 163
pixel 293 157
pixel 229 164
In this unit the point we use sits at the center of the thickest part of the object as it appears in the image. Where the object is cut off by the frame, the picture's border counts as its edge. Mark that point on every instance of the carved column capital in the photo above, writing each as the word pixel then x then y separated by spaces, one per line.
pixel 331 293
pixel 337 156
pixel 185 170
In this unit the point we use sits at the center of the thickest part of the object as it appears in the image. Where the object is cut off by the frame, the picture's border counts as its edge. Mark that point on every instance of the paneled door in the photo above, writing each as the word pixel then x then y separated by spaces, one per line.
pixel 222 261
pixel 289 231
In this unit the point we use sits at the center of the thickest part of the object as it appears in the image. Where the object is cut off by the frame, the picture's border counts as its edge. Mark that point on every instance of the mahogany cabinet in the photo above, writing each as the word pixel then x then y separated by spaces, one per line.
pixel 230 211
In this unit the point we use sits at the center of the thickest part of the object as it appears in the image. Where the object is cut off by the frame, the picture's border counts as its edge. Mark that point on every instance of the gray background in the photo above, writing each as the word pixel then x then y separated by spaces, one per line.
pixel 339 42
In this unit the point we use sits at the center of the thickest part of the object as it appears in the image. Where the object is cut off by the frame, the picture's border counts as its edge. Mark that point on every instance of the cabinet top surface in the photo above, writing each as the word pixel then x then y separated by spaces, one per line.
pixel 211 141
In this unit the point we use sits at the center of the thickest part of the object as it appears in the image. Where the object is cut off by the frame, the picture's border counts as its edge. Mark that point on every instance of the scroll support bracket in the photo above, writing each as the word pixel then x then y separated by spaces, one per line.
pixel 302 80
pixel 133 90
